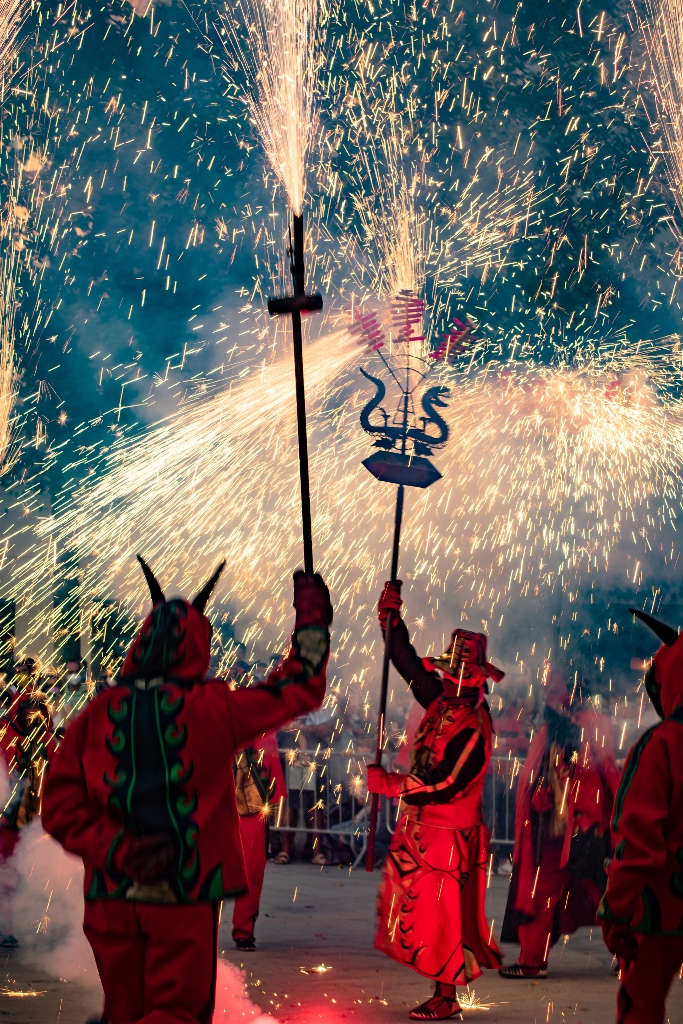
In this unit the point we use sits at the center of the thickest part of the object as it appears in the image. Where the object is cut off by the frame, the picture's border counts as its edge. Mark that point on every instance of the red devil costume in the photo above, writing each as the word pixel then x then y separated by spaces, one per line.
pixel 26 745
pixel 563 808
pixel 642 910
pixel 259 784
pixel 431 913
pixel 142 788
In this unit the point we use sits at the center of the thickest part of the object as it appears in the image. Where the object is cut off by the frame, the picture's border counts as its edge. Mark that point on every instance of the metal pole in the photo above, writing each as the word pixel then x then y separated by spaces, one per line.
pixel 297 263
pixel 370 855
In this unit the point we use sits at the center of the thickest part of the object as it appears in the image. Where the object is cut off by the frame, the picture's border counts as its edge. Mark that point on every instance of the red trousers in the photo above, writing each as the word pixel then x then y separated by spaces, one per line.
pixel 646 981
pixel 535 937
pixel 157 962
pixel 253 835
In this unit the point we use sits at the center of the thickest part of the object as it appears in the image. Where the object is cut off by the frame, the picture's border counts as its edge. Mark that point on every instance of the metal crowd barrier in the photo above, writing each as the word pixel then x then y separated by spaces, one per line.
pixel 500 789
pixel 335 786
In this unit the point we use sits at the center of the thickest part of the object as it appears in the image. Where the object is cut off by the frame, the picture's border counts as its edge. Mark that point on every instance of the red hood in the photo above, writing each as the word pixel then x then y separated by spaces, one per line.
pixel 174 642
pixel 668 670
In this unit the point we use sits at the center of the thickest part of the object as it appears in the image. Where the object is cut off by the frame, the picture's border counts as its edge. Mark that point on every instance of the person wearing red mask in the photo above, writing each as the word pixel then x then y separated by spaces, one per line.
pixel 563 807
pixel 431 913
pixel 142 788
pixel 642 909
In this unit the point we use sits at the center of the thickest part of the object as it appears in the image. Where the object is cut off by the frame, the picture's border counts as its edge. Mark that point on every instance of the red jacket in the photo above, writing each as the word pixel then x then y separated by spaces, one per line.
pixel 26 745
pixel 154 756
pixel 588 783
pixel 452 747
pixel 645 877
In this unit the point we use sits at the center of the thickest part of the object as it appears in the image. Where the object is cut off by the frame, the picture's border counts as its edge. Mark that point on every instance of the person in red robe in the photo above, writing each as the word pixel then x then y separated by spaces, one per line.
pixel 563 806
pixel 259 784
pixel 430 909
pixel 26 745
pixel 642 908
pixel 142 788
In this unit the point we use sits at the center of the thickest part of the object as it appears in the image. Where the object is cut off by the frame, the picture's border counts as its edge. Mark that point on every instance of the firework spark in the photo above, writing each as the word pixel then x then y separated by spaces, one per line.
pixel 663 34
pixel 275 44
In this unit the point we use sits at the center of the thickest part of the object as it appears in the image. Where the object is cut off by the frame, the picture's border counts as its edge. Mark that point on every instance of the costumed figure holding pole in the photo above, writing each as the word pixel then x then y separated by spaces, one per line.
pixel 142 788
pixel 431 913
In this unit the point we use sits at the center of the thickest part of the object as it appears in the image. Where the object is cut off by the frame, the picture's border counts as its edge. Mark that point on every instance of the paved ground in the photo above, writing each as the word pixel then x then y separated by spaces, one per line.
pixel 314 918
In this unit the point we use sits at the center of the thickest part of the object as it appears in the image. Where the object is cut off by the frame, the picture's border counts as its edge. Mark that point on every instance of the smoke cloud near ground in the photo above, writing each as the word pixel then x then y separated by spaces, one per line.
pixel 48 921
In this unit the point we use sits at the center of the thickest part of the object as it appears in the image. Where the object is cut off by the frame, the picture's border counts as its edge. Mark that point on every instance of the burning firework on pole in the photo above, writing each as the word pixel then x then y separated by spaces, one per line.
pixel 279 63
pixel 403 447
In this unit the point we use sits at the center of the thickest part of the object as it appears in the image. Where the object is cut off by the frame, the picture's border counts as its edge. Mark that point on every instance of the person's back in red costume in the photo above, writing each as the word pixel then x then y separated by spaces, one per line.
pixel 142 788
pixel 642 909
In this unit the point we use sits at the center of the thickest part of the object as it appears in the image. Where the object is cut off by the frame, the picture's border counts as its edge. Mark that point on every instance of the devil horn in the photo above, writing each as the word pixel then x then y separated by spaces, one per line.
pixel 666 634
pixel 204 594
pixel 155 590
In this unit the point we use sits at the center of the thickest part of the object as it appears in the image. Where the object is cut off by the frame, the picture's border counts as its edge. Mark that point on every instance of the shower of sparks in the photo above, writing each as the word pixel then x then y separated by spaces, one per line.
pixel 10 448
pixel 404 232
pixel 663 34
pixel 547 472
pixel 13 14
pixel 275 44
pixel 566 450
pixel 470 1001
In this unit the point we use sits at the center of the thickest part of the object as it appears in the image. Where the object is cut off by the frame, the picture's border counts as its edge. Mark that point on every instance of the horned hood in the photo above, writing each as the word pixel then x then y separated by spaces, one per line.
pixel 174 641
pixel 664 680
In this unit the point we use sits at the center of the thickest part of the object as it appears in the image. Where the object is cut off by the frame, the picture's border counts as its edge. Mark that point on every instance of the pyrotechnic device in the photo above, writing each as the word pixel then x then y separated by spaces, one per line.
pixel 402 445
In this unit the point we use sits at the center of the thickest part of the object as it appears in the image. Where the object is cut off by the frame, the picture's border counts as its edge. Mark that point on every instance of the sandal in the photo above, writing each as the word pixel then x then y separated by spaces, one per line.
pixel 523 971
pixel 436 1008
pixel 320 860
pixel 281 858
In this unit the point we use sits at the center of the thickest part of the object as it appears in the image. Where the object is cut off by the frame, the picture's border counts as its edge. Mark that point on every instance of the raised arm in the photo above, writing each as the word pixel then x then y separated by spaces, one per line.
pixel 298 685
pixel 426 686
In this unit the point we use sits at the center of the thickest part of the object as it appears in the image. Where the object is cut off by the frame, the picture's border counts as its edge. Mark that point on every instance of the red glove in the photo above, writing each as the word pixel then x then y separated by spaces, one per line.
pixel 312 601
pixel 620 939
pixel 383 782
pixel 390 600
pixel 145 858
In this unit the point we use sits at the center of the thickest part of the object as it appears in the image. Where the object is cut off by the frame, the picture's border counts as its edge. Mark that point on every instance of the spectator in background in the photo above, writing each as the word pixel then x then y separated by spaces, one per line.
pixel 562 814
pixel 74 695
pixel 259 784
pixel 308 735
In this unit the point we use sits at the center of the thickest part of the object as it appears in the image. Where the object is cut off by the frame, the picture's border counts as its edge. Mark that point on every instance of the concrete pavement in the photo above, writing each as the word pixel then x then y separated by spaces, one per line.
pixel 315 965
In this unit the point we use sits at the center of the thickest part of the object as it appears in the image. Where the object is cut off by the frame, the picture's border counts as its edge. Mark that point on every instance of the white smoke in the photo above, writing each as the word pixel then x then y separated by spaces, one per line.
pixel 48 908
pixel 232 1002
pixel 48 921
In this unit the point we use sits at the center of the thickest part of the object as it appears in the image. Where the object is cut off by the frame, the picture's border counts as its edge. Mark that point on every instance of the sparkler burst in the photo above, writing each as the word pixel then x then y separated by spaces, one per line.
pixel 548 471
pixel 276 46
pixel 663 34
pixel 433 181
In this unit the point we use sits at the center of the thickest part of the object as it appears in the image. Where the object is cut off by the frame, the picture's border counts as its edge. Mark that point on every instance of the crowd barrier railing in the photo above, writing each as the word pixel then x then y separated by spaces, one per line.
pixel 326 797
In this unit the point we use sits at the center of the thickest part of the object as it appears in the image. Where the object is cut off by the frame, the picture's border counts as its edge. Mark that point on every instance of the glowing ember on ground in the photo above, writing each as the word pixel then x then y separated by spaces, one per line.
pixel 18 994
